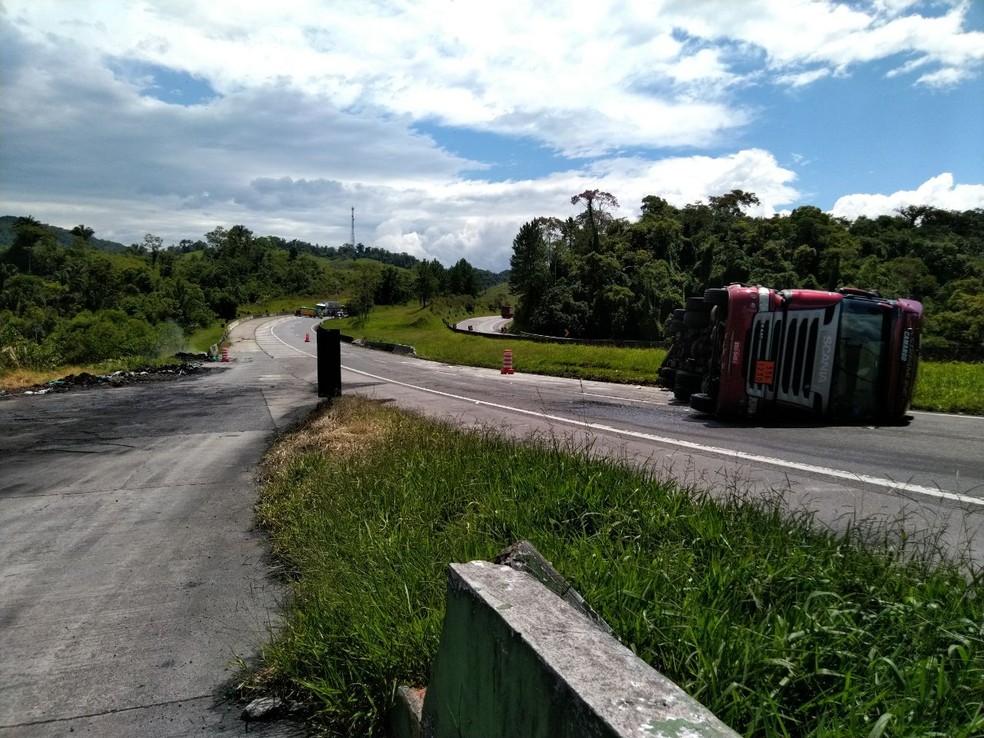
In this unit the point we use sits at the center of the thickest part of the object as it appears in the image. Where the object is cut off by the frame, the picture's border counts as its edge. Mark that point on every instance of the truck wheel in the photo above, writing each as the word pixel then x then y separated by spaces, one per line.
pixel 716 296
pixel 703 403
pixel 694 319
pixel 685 384
pixel 697 305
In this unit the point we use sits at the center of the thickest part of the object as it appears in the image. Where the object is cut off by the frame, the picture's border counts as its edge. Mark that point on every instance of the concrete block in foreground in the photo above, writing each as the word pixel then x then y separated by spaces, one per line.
pixel 517 660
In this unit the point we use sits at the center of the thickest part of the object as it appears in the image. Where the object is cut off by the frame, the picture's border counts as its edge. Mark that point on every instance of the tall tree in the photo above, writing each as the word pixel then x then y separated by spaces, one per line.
pixel 428 276
pixel 83 233
pixel 529 274
pixel 595 216
pixel 366 276
pixel 34 249
pixel 463 280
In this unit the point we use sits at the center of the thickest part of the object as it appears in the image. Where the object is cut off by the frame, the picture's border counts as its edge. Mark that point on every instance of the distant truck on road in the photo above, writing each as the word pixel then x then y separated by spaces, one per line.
pixel 748 351
pixel 330 309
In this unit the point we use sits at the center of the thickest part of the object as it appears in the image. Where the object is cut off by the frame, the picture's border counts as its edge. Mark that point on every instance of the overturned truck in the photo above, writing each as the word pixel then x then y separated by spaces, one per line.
pixel 748 351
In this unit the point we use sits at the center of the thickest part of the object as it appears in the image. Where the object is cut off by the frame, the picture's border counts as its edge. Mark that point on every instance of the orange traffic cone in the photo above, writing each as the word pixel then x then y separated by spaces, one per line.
pixel 307 338
pixel 225 353
pixel 507 367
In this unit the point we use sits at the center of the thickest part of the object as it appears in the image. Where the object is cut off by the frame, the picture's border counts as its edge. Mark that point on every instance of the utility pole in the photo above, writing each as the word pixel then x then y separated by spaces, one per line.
pixel 353 228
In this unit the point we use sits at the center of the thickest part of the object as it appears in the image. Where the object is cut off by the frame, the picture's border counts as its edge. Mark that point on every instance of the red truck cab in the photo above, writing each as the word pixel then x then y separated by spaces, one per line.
pixel 845 355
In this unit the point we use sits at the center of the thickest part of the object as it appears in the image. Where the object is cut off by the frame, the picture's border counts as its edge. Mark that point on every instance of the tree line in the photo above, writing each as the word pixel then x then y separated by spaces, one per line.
pixel 597 276
pixel 73 303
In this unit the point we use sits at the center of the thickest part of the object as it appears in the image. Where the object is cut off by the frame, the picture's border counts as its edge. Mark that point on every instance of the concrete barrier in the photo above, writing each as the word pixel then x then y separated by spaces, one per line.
pixel 517 660
pixel 395 348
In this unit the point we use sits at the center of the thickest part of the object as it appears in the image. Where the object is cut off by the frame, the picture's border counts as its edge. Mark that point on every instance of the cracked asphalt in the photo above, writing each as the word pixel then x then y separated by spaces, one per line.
pixel 132 578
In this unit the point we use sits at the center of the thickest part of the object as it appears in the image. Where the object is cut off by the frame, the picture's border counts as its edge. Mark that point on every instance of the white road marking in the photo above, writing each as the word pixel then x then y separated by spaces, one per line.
pixel 701 448
pixel 689 445
pixel 623 399
pixel 947 415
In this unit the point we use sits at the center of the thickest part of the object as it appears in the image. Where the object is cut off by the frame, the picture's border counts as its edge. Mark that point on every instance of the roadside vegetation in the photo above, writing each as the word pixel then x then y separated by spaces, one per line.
pixel 780 629
pixel 598 276
pixel 69 298
pixel 950 387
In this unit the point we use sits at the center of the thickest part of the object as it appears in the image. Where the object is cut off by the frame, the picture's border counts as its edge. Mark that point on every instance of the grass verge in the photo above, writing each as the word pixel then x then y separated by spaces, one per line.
pixel 423 329
pixel 779 629
pixel 950 387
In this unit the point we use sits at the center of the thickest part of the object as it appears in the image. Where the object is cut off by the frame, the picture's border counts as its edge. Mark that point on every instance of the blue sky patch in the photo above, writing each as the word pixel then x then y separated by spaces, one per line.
pixel 172 86
pixel 505 157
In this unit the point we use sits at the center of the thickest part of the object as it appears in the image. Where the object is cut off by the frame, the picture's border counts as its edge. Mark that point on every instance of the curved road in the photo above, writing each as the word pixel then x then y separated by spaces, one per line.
pixel 927 477
pixel 485 324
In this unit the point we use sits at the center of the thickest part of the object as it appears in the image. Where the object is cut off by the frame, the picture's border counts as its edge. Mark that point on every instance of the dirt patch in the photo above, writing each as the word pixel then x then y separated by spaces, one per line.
pixel 342 429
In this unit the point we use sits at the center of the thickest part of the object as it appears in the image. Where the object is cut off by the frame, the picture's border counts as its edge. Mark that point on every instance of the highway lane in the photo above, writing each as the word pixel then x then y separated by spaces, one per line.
pixel 929 474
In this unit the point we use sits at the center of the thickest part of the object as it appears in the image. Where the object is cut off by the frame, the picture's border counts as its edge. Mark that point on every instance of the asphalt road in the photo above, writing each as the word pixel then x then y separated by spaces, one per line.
pixel 485 324
pixel 926 478
pixel 132 576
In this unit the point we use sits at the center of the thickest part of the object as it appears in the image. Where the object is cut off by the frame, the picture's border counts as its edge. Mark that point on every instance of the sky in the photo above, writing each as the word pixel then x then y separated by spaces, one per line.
pixel 447 124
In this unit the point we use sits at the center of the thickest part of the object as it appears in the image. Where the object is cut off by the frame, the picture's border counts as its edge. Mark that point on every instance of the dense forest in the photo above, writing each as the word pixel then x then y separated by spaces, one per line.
pixel 596 276
pixel 67 298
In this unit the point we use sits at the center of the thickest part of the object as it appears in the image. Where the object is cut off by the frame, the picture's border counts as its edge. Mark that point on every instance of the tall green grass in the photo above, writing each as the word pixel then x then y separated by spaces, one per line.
pixel 952 387
pixel 779 629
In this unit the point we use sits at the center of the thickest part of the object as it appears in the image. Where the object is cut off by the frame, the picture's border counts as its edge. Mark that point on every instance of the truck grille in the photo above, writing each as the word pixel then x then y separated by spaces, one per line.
pixel 789 342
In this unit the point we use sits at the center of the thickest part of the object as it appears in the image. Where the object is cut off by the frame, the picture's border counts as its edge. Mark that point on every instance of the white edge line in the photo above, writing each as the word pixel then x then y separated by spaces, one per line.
pixel 690 445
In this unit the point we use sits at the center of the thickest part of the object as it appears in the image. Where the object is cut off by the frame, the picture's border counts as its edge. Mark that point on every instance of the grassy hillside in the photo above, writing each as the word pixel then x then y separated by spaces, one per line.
pixel 942 386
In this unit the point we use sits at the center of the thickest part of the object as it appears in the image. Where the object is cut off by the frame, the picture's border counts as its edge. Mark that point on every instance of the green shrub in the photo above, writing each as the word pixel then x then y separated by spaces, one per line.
pixel 90 338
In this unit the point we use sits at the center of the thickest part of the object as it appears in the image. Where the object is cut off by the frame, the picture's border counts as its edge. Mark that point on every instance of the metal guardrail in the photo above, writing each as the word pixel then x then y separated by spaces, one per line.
pixel 539 338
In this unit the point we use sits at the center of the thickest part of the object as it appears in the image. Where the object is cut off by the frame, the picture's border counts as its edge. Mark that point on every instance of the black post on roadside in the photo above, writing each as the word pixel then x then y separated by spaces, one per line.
pixel 329 361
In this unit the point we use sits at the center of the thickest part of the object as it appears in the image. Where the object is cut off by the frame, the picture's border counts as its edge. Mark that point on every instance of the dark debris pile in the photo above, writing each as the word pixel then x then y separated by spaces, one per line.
pixel 84 380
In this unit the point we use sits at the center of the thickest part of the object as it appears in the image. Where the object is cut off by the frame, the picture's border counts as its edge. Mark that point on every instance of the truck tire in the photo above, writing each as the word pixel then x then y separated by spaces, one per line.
pixel 716 296
pixel 685 384
pixel 695 319
pixel 697 305
pixel 703 403
pixel 674 327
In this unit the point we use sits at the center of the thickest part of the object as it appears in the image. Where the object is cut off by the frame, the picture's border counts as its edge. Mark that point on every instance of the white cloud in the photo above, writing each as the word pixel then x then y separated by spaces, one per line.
pixel 318 106
pixel 505 66
pixel 939 192
pixel 800 34
pixel 803 79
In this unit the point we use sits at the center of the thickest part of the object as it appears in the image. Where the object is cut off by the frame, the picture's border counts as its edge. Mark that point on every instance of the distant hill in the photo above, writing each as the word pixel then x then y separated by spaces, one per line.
pixel 65 237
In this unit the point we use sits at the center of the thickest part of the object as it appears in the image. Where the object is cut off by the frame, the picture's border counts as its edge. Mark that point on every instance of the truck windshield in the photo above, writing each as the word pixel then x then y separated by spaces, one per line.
pixel 859 361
